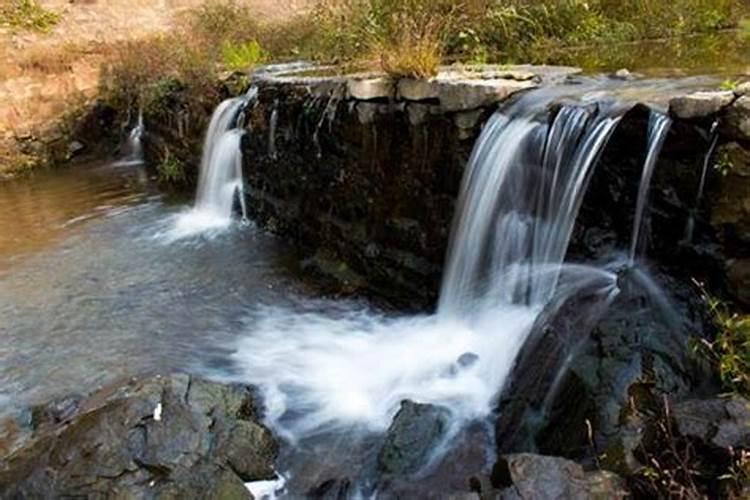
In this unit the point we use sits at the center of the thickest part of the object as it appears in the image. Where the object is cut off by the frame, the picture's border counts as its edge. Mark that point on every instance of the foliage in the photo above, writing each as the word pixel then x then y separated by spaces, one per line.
pixel 730 351
pixel 674 467
pixel 170 170
pixel 241 56
pixel 500 31
pixel 27 15
pixel 729 84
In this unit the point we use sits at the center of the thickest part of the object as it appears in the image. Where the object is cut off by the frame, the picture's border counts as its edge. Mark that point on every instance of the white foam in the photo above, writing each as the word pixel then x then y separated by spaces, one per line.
pixel 320 372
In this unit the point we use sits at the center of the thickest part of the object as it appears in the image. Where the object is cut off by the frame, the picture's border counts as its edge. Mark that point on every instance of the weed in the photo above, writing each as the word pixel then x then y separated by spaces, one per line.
pixel 730 351
pixel 242 56
pixel 170 170
pixel 27 15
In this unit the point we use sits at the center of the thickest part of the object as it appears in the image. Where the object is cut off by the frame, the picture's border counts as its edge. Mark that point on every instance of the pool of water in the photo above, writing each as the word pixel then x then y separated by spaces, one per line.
pixel 94 286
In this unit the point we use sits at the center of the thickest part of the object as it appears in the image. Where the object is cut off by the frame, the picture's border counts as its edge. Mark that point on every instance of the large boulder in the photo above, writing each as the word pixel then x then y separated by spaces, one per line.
pixel 162 437
pixel 717 423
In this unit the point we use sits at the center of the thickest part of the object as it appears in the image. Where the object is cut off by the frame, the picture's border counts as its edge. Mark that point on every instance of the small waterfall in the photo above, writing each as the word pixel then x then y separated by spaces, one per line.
pixel 133 147
pixel 658 128
pixel 714 142
pixel 520 196
pixel 273 124
pixel 220 182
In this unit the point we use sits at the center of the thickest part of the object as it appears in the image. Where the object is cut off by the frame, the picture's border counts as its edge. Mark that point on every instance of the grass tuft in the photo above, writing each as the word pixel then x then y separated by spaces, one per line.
pixel 27 15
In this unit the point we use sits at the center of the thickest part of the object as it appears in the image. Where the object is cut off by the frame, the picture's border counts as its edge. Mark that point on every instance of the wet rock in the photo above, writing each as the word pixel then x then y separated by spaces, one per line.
pixel 75 148
pixel 367 89
pixel 332 489
pixel 731 199
pixel 416 430
pixel 717 423
pixel 528 476
pixel 700 104
pixel 737 122
pixel 738 275
pixel 623 74
pixel 55 412
pixel 160 437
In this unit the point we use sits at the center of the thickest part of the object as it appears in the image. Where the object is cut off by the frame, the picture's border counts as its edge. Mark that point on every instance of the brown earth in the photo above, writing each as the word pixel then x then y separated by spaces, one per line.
pixel 42 74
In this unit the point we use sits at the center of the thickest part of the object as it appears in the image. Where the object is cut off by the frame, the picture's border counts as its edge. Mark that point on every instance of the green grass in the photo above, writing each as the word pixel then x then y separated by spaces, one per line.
pixel 27 15
pixel 242 56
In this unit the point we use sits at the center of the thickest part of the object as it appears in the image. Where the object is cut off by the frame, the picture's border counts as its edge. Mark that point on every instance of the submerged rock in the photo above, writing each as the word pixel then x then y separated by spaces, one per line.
pixel 162 437
pixel 528 476
pixel 416 431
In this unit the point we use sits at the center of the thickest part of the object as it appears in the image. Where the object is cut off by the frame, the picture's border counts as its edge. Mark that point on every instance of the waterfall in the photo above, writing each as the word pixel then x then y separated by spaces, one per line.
pixel 133 148
pixel 714 141
pixel 220 181
pixel 272 152
pixel 520 196
pixel 658 128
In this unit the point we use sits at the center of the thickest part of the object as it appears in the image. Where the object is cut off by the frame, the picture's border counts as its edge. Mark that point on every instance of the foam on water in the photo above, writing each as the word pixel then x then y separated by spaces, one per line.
pixel 323 371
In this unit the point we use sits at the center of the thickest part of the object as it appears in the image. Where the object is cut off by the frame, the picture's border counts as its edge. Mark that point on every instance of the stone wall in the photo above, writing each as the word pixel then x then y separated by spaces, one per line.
pixel 363 175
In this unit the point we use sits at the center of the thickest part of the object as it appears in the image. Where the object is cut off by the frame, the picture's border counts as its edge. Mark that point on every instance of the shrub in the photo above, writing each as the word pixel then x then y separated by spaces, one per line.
pixel 27 15
pixel 241 56
pixel 730 351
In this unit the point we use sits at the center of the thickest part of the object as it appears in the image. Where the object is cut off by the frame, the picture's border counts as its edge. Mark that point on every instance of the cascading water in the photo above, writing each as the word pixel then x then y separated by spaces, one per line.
pixel 345 371
pixel 714 141
pixel 220 180
pixel 658 128
pixel 133 148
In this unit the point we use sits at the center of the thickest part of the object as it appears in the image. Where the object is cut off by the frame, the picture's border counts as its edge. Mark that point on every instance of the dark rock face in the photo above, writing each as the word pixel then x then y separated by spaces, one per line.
pixel 416 431
pixel 716 423
pixel 527 476
pixel 364 188
pixel 161 437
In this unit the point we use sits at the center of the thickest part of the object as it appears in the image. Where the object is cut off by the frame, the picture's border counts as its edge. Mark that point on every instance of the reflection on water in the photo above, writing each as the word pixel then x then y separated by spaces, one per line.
pixel 725 53
pixel 90 292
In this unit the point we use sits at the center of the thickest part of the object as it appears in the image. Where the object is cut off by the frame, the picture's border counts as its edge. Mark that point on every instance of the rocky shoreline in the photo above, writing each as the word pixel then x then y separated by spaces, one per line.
pixel 180 436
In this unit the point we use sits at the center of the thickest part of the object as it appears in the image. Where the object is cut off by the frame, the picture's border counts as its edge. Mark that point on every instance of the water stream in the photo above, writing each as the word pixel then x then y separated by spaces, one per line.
pixel 101 277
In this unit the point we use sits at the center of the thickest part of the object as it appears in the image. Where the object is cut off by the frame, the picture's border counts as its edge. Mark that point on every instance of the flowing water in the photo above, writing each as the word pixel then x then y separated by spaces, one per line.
pixel 100 277
pixel 92 289
pixel 658 127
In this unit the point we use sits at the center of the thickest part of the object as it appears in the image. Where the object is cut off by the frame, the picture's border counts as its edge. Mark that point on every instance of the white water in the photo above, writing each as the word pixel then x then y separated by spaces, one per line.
pixel 324 370
pixel 220 178
pixel 658 128
pixel 133 147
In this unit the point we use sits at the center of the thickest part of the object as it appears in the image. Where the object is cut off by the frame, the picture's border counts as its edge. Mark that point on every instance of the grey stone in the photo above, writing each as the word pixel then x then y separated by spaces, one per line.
pixel 529 476
pixel 700 104
pixel 719 423
pixel 416 430
pixel 366 89
pixel 161 437
pixel 366 112
pixel 463 95
pixel 417 113
pixel 738 119
pixel 418 90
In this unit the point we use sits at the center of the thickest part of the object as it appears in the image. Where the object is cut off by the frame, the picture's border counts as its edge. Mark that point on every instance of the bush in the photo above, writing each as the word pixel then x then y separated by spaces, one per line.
pixel 27 15
pixel 242 56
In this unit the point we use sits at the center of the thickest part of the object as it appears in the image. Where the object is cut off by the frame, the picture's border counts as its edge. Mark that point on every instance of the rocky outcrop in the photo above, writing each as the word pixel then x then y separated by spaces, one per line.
pixel 162 437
